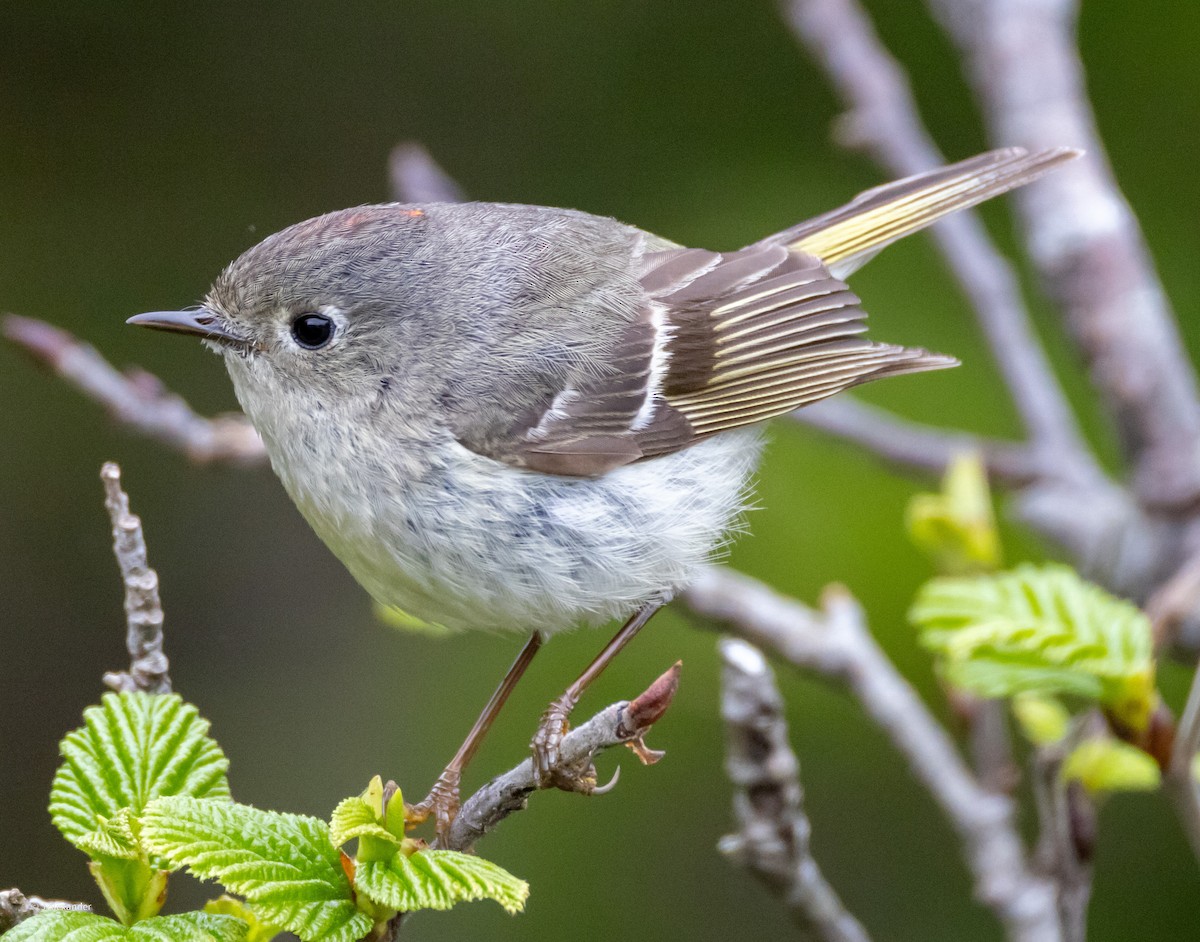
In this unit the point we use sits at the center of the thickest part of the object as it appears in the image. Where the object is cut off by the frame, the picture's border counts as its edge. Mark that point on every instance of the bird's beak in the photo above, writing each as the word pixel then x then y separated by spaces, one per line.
pixel 203 323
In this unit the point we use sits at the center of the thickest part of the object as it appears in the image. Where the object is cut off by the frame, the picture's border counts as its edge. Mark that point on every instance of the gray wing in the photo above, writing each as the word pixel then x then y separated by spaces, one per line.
pixel 722 341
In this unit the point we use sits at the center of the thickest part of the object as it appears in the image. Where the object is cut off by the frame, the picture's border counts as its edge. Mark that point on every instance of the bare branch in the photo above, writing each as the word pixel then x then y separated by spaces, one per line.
pixel 1180 779
pixel 774 831
pixel 16 907
pixel 624 723
pixel 417 177
pixel 1066 828
pixel 1084 239
pixel 137 399
pixel 837 644
pixel 913 446
pixel 143 608
pixel 883 120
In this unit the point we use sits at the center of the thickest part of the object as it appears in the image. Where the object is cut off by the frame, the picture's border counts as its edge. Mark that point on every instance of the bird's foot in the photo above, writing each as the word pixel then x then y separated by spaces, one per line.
pixel 442 803
pixel 546 746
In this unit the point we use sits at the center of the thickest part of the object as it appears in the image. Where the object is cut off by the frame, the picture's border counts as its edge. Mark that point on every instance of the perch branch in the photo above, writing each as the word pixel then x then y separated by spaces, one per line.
pixel 624 723
pixel 773 836
pixel 837 644
pixel 143 608
pixel 136 398
pixel 1083 237
pixel 882 119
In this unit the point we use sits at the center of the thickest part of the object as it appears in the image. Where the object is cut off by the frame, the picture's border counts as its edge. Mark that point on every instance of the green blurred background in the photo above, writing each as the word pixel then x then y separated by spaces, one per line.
pixel 144 144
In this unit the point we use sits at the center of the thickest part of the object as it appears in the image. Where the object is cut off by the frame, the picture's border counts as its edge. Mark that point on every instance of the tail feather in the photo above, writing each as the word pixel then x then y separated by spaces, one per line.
pixel 846 238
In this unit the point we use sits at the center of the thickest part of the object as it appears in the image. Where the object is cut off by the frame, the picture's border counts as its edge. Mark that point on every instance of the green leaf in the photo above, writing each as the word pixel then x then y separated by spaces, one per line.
pixel 956 527
pixel 134 889
pixel 284 864
pixel 132 748
pixel 364 817
pixel 115 838
pixel 1109 765
pixel 398 618
pixel 258 930
pixel 1040 629
pixel 1043 720
pixel 62 926
pixel 437 879
pixel 354 817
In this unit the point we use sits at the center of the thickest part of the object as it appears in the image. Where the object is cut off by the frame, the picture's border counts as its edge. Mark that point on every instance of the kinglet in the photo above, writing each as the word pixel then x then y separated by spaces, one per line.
pixel 508 417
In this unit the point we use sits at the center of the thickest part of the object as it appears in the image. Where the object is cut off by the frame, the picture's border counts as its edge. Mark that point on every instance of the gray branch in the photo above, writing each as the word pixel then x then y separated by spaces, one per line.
pixel 136 398
pixel 837 644
pixel 143 608
pixel 883 120
pixel 1180 781
pixel 913 446
pixel 16 907
pixel 624 723
pixel 773 830
pixel 417 178
pixel 1083 237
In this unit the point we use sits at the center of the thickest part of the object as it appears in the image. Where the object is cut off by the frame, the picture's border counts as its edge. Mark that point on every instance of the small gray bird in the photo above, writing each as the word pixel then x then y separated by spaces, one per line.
pixel 519 418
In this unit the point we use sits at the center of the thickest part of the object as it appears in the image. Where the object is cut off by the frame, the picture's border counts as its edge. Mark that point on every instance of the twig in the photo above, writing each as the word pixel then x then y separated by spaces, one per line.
pixel 1084 239
pixel 836 643
pixel 883 120
pixel 137 399
pixel 773 830
pixel 914 446
pixel 1067 828
pixel 16 907
pixel 143 608
pixel 624 723
pixel 417 178
pixel 1180 780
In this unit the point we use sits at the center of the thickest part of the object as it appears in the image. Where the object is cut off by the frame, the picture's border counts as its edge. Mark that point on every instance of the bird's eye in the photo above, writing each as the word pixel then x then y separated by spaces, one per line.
pixel 312 331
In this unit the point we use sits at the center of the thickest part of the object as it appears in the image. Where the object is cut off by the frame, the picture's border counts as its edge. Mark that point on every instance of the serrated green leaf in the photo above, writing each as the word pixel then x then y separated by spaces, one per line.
pixel 60 926
pixel 132 748
pixel 1040 629
pixel 257 929
pixel 1043 720
pixel 437 879
pixel 354 817
pixel 284 864
pixel 957 527
pixel 1109 765
pixel 115 838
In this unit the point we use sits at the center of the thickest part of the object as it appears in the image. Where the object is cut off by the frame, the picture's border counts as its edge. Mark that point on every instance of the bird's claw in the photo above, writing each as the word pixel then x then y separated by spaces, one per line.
pixel 546 747
pixel 442 802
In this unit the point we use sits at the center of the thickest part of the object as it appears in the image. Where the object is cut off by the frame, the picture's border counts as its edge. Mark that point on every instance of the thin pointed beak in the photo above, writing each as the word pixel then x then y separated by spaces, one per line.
pixel 203 323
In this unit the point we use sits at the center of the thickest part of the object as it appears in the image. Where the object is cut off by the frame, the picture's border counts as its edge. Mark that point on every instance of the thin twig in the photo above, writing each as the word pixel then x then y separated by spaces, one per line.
pixel 883 120
pixel 1066 827
pixel 837 644
pixel 772 840
pixel 624 723
pixel 417 177
pixel 1180 779
pixel 143 608
pixel 16 907
pixel 1084 239
pixel 913 446
pixel 136 398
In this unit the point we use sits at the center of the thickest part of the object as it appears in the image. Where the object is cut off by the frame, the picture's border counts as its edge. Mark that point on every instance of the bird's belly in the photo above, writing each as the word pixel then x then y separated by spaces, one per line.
pixel 469 543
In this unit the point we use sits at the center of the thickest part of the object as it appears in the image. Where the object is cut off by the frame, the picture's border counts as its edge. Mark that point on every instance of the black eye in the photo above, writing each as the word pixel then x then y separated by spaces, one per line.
pixel 312 331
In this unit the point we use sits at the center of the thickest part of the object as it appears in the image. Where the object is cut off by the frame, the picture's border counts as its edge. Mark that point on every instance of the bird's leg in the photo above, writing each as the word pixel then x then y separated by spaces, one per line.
pixel 555 721
pixel 443 799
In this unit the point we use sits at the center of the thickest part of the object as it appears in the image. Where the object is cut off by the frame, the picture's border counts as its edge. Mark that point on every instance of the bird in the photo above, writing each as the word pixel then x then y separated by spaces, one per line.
pixel 505 417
